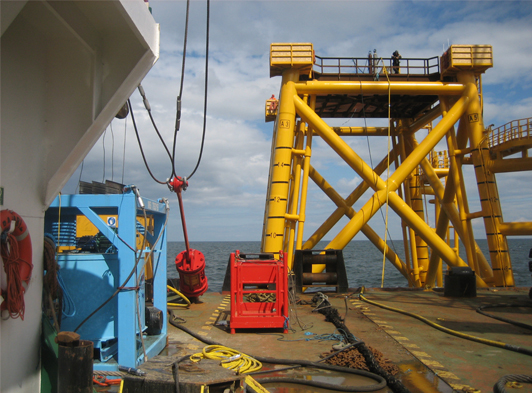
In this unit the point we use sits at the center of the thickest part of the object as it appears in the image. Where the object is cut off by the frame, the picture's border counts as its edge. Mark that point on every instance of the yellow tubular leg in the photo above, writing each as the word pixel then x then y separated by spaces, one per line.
pixel 280 171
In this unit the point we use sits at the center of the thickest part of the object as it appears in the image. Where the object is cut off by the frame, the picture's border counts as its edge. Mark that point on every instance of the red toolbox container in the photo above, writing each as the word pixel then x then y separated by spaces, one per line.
pixel 256 277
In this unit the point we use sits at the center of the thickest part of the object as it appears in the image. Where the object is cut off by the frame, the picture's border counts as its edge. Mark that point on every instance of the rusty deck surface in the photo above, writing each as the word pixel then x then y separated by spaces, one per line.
pixel 459 361
pixel 430 360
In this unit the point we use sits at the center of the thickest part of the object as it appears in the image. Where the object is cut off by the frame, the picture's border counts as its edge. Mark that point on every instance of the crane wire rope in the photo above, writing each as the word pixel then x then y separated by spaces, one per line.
pixel 182 82
pixel 140 144
pixel 369 150
pixel 124 152
pixel 171 156
pixel 205 93
pixel 387 172
pixel 103 146
pixel 384 217
pixel 112 152
pixel 80 173
pixel 148 109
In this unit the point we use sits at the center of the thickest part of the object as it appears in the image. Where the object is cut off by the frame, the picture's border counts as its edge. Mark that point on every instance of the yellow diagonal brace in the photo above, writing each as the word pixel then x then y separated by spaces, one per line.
pixel 366 229
pixel 437 244
pixel 376 201
pixel 350 201
pixel 430 141
pixel 338 144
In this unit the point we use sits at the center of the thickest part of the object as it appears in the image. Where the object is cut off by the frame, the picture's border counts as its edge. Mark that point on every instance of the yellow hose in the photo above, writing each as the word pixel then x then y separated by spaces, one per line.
pixel 182 297
pixel 435 325
pixel 230 358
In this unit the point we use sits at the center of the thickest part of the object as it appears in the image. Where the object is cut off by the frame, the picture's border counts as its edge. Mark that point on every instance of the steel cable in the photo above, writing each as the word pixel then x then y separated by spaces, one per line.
pixel 500 386
pixel 205 94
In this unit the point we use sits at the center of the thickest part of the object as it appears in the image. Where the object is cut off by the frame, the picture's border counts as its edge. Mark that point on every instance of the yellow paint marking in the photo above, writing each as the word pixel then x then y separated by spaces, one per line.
pixel 192 346
pixel 207 327
pixel 432 363
pixel 203 333
pixel 447 374
pixel 464 388
pixel 213 318
pixel 411 345
pixel 420 354
pixel 400 338
pixel 393 332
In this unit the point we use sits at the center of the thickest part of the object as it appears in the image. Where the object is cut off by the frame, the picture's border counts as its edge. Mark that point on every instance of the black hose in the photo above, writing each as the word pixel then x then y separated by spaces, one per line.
pixel 381 382
pixel 519 324
pixel 498 344
pixel 175 374
pixel 500 386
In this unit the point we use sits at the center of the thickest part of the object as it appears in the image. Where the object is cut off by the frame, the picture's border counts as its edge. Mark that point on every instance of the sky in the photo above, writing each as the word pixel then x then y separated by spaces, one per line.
pixel 226 196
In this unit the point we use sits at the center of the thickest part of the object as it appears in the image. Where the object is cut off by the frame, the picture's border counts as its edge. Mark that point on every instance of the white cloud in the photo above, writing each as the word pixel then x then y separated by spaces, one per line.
pixel 225 199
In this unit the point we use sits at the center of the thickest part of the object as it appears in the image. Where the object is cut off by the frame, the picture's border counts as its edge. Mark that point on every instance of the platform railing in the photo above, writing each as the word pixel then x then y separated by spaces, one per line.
pixel 514 130
pixel 439 159
pixel 370 66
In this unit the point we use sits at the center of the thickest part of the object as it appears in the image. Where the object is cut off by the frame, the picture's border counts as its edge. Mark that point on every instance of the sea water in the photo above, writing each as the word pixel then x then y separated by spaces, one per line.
pixel 363 262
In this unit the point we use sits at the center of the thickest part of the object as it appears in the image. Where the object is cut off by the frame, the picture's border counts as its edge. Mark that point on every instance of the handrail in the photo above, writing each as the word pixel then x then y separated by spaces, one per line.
pixel 371 66
pixel 513 130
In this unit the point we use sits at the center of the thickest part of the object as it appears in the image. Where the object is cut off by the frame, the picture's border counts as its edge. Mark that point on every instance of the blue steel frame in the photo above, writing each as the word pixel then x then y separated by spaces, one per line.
pixel 124 309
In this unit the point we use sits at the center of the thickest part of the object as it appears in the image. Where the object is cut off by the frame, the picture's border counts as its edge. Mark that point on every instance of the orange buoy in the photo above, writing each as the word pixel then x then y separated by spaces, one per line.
pixel 16 252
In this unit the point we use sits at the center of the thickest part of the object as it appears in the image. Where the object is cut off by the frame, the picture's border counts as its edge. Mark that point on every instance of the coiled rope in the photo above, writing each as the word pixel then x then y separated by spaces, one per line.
pixel 15 290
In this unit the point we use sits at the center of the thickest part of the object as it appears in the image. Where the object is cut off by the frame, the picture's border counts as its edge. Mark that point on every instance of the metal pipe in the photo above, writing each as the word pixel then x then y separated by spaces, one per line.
pixel 410 88
pixel 510 165
pixel 516 228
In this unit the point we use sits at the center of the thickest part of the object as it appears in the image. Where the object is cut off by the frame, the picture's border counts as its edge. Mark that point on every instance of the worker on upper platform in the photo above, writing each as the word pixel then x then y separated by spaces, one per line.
pixel 395 61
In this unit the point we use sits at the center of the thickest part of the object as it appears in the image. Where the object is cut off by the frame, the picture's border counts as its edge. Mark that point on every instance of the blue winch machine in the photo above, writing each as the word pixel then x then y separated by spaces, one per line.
pixel 128 238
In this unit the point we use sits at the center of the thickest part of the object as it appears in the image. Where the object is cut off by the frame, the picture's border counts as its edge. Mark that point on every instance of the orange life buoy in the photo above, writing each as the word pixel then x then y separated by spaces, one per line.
pixel 16 254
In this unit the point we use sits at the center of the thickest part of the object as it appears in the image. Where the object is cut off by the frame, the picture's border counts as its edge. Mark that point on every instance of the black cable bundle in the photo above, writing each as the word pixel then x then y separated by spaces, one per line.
pixel 331 314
